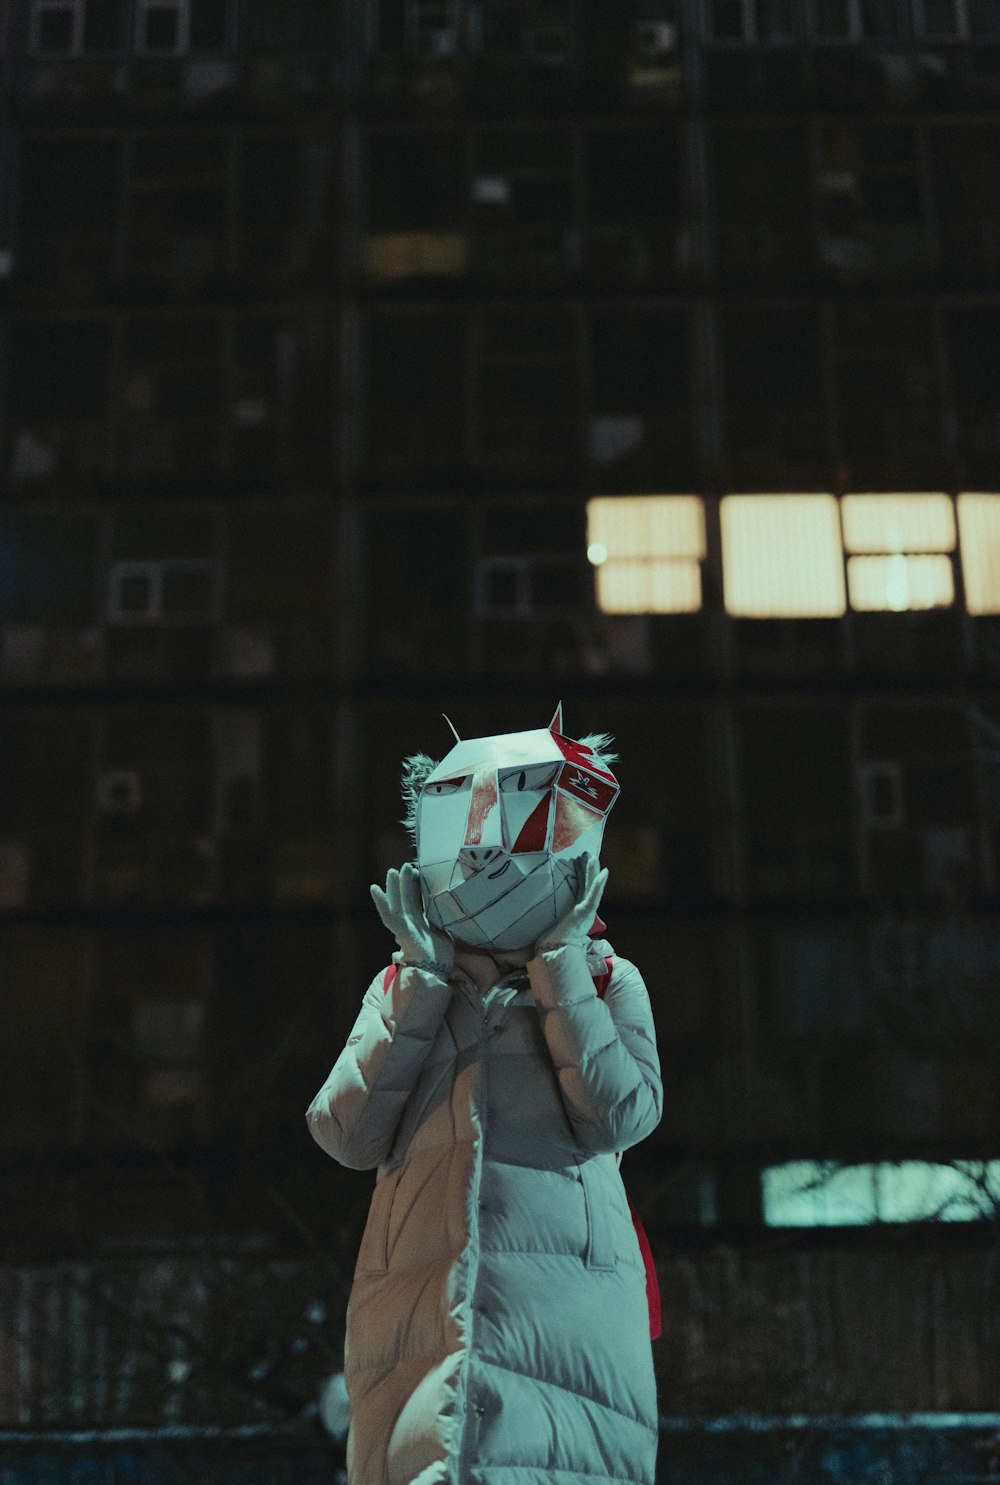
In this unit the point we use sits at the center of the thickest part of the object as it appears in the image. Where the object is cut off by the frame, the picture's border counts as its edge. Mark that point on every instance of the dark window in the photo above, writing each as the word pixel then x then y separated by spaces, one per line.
pixel 417 365
pixel 279 566
pixel 288 25
pixel 48 568
pixel 177 196
pixel 59 371
pixel 537 167
pixel 887 387
pixel 421 551
pixel 67 186
pixel 640 427
pixel 773 359
pixel 634 176
pixel 161 29
pixel 102 25
pixel 416 180
pixel 727 20
pixel 762 199
pixel 797 801
pixel 208 24
pixel 967 195
pixel 155 534
pixel 55 30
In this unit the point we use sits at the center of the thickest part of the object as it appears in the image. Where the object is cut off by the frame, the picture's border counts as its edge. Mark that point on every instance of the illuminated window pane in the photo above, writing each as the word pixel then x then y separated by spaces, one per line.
pixel 812 1193
pixel 781 556
pixel 898 523
pixel 647 550
pixel 809 1193
pixel 898 582
pixel 648 525
pixel 979 526
pixel 664 586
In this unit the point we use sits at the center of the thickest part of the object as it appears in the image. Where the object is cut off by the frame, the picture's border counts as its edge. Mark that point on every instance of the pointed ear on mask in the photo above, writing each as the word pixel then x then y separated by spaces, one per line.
pixel 556 725
pixel 452 726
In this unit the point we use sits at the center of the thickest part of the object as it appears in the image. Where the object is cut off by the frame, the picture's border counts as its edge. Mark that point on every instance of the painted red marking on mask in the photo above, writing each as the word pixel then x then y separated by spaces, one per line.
pixel 575 752
pixel 531 836
pixel 484 798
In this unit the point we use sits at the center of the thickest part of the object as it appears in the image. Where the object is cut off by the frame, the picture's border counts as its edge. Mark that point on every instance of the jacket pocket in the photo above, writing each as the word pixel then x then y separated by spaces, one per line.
pixel 373 1255
pixel 600 1251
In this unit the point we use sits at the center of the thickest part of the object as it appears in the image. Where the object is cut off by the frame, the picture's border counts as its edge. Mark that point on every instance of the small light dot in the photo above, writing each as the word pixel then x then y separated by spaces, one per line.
pixel 597 553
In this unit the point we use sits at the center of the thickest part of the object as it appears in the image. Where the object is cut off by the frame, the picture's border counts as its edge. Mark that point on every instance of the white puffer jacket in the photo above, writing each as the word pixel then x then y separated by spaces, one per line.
pixel 497 1332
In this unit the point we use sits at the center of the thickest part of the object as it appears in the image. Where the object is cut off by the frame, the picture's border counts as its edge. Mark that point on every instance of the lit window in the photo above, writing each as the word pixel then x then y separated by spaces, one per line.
pixel 648 551
pixel 899 546
pixel 814 1193
pixel 781 556
pixel 979 529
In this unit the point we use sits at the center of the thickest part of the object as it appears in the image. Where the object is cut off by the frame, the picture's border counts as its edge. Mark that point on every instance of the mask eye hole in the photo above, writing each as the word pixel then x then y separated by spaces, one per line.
pixel 444 786
pixel 520 780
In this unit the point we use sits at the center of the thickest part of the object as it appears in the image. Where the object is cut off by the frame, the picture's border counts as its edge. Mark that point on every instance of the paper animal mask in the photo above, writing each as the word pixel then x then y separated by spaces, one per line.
pixel 498 825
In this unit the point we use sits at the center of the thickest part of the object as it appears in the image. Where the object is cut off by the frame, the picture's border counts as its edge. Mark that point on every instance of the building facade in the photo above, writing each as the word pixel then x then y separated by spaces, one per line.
pixel 336 337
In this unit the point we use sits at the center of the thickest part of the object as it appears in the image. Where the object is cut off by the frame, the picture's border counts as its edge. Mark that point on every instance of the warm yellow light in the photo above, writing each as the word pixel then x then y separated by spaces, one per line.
pixel 647 550
pixel 898 523
pixel 979 530
pixel 781 556
pixel 648 525
pixel 896 582
pixel 665 586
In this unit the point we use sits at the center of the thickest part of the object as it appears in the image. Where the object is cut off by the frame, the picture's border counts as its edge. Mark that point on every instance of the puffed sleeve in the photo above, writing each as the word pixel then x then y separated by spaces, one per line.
pixel 603 1050
pixel 355 1114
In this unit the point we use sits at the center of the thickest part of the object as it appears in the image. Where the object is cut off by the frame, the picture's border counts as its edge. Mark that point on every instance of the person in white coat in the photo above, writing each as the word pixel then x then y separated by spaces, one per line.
pixel 498 1330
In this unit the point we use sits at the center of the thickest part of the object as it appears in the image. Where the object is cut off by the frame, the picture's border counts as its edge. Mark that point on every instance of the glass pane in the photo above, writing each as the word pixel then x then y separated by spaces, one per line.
pixel 979 526
pixel 940 18
pixel 984 17
pixel 897 583
pixel 832 17
pixel 647 525
pixel 782 556
pixel 880 17
pixel 776 20
pixel 898 523
pixel 55 30
pixel 812 1193
pixel 162 29
pixel 660 586
pixel 186 590
pixel 727 20
pixel 102 25
pixel 208 24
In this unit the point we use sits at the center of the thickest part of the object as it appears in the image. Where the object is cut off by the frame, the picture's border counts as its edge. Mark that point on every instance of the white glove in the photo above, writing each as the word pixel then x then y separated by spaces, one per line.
pixel 401 908
pixel 576 925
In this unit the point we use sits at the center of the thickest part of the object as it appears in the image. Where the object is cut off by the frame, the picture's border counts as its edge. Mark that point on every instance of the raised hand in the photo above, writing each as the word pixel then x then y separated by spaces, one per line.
pixel 401 909
pixel 591 881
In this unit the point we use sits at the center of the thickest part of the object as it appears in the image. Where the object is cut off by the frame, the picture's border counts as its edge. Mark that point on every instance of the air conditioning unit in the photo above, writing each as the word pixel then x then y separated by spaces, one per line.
pixel 175 588
pixel 119 791
pixel 654 42
pixel 548 45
